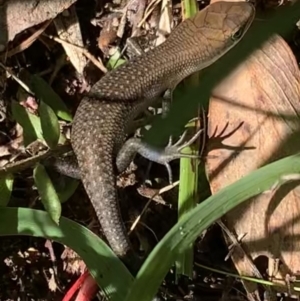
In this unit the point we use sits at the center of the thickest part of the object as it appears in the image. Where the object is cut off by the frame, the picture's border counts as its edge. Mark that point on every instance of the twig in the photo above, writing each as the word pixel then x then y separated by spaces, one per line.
pixel 160 191
pixel 31 161
pixel 23 85
pixel 96 62
pixel 27 43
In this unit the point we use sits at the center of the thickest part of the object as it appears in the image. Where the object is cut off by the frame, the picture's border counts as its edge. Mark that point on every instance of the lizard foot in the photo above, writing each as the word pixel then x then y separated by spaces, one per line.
pixel 159 155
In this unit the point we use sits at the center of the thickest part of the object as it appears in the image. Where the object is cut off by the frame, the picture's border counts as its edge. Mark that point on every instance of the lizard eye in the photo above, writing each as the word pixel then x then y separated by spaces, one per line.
pixel 237 35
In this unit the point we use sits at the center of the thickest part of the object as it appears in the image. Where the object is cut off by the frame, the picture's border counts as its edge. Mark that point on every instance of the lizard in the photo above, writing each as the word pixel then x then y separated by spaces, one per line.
pixel 102 118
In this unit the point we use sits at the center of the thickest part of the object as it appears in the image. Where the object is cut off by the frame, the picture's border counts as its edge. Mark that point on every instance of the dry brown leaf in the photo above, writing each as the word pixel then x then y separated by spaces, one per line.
pixel 165 21
pixel 108 34
pixel 72 263
pixel 68 29
pixel 135 12
pixel 52 285
pixel 246 138
pixel 16 16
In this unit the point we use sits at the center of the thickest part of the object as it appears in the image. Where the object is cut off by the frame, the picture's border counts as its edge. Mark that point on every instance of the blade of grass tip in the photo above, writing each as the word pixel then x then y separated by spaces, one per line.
pixel 247 278
pixel 188 179
pixel 115 61
pixel 6 185
pixel 47 192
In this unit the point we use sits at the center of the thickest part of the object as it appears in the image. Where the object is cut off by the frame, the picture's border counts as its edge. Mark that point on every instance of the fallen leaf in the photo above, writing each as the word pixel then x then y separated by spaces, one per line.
pixel 108 34
pixel 16 16
pixel 68 29
pixel 254 120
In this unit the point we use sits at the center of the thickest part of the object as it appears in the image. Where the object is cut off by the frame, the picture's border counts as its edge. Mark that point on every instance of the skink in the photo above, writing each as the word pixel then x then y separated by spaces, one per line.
pixel 101 120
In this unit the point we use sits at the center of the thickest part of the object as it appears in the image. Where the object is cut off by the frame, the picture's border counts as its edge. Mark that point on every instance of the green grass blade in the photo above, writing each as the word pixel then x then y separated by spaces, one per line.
pixel 47 192
pixel 190 8
pixel 49 124
pixel 45 93
pixel 30 123
pixel 193 223
pixel 188 180
pixel 6 185
pixel 115 61
pixel 187 200
pixel 109 272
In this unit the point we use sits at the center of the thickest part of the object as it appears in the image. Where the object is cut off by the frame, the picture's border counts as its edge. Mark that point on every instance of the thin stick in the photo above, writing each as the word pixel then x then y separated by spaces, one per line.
pixel 96 62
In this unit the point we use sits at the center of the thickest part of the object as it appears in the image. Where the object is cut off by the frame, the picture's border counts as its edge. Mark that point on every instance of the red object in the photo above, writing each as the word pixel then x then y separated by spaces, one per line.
pixel 87 287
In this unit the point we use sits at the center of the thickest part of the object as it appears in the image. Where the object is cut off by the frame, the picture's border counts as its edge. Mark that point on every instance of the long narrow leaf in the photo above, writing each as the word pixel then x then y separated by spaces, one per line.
pixel 30 123
pixel 196 221
pixel 109 272
pixel 188 184
pixel 6 185
pixel 47 192
pixel 45 93
pixel 50 125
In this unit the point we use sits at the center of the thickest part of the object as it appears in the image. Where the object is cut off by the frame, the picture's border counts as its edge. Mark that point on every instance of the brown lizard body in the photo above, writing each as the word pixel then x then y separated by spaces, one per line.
pixel 99 128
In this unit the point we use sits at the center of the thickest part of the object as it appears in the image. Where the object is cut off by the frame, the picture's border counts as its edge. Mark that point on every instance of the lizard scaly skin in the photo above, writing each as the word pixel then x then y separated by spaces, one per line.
pixel 99 127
